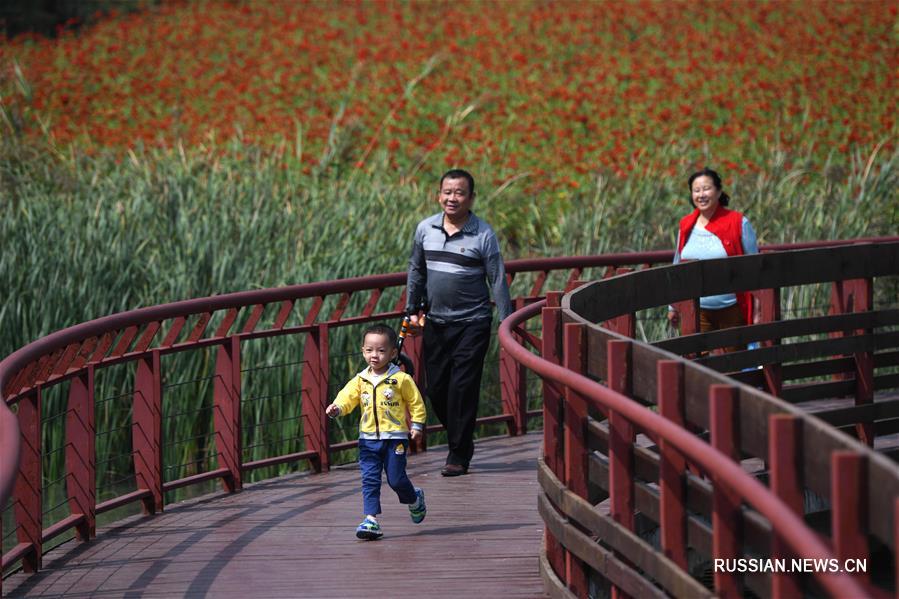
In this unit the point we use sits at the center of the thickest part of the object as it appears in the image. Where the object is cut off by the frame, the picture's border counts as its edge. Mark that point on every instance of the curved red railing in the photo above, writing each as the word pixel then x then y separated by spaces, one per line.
pixel 804 542
pixel 575 402
pixel 145 334
pixel 142 336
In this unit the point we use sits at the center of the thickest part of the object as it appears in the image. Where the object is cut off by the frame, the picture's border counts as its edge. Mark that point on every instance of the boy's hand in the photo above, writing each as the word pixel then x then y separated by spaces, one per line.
pixel 415 434
pixel 332 411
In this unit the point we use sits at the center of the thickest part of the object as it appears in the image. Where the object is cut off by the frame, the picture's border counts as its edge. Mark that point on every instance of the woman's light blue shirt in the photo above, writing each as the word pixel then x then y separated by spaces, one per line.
pixel 703 245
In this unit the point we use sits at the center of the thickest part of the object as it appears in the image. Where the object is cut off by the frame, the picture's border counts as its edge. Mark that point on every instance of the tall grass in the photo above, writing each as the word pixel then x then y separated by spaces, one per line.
pixel 84 237
pixel 88 236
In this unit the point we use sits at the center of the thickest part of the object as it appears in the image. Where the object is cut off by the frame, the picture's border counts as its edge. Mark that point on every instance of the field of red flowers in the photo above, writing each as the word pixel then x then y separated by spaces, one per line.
pixel 550 91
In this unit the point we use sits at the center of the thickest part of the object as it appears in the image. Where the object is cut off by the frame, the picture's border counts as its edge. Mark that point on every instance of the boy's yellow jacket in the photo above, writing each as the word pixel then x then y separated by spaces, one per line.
pixel 383 405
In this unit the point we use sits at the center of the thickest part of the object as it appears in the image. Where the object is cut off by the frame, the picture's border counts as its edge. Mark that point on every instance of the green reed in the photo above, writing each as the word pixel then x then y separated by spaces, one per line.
pixel 87 236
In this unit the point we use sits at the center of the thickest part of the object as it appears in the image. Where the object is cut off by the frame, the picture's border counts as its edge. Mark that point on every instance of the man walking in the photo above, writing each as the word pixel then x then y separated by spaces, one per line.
pixel 455 255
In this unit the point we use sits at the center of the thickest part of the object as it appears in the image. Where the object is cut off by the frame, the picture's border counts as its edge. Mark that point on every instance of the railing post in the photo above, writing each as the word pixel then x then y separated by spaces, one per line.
pixel 28 491
pixel 81 458
pixel 726 517
pixel 849 499
pixel 513 386
pixel 146 430
pixel 621 437
pixel 688 312
pixel 227 419
pixel 784 447
pixel 413 347
pixel 672 466
pixel 621 442
pixel 552 414
pixel 576 448
pixel 896 540
pixel 316 372
pixel 861 299
pixel 626 324
pixel 769 311
pixel 552 396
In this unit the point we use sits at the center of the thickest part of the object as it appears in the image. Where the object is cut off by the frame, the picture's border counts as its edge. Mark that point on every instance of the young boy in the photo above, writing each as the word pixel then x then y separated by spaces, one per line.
pixel 385 392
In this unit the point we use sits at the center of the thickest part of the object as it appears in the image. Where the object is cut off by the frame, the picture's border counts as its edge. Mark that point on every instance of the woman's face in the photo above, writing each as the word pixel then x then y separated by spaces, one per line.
pixel 705 194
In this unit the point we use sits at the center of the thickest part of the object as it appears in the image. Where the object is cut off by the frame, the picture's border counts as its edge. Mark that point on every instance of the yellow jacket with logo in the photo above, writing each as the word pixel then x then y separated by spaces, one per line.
pixel 383 405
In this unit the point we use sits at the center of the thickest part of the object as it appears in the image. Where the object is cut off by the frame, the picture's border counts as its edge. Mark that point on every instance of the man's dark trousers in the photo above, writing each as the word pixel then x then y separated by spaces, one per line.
pixel 454 361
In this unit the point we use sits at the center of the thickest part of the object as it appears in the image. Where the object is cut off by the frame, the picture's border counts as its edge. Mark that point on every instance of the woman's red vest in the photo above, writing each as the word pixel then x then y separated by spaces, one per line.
pixel 726 225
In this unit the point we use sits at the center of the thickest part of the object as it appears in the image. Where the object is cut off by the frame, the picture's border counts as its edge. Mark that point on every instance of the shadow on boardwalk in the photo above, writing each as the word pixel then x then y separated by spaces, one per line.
pixel 294 537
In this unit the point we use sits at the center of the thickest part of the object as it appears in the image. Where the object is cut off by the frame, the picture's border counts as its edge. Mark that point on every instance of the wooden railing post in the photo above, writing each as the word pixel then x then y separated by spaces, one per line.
pixel 413 347
pixel 849 506
pixel 81 458
pixel 513 386
pixel 621 443
pixel 28 492
pixel 688 313
pixel 626 324
pixel 227 419
pixel 860 294
pixel 896 540
pixel 672 466
pixel 146 430
pixel 576 447
pixel 769 311
pixel 553 433
pixel 784 457
pixel 621 437
pixel 315 395
pixel 726 517
pixel 552 396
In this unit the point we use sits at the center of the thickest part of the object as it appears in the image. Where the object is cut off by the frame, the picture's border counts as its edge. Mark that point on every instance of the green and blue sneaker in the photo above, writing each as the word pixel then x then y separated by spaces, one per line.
pixel 369 530
pixel 418 510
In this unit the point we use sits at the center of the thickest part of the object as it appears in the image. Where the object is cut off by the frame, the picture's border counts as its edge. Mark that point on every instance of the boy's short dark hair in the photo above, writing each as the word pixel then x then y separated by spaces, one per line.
pixel 382 329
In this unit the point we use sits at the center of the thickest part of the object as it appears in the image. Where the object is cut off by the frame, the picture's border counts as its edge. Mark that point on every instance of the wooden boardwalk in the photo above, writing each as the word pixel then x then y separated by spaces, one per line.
pixel 294 537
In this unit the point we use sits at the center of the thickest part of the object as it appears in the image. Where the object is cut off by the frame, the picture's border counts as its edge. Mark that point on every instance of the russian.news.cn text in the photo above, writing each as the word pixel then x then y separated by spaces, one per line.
pixel 745 565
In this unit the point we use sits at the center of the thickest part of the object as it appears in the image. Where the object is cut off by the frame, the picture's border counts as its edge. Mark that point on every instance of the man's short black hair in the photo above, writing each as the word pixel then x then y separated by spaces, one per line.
pixel 458 173
pixel 382 329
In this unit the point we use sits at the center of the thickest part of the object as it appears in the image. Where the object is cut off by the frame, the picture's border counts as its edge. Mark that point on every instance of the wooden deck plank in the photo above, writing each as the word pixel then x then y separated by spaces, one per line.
pixel 294 537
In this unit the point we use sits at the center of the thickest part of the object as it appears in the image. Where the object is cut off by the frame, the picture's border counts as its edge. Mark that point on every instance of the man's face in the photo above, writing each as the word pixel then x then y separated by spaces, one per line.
pixel 455 198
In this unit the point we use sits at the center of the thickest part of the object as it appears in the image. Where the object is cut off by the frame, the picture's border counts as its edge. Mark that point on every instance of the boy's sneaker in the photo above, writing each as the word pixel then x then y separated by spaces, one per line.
pixel 369 530
pixel 418 510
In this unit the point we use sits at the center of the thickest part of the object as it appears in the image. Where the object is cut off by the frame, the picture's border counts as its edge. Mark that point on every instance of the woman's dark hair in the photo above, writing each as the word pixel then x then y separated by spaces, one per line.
pixel 724 199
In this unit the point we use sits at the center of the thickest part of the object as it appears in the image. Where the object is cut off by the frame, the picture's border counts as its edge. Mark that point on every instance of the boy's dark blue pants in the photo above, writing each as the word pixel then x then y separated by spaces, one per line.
pixel 389 455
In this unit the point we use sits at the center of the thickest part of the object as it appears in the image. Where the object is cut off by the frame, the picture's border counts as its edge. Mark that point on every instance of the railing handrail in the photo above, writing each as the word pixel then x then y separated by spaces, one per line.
pixel 140 316
pixel 802 541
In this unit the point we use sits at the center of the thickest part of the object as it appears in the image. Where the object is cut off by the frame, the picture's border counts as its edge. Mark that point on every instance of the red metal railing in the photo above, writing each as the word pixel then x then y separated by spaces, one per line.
pixel 223 323
pixel 591 430
pixel 142 337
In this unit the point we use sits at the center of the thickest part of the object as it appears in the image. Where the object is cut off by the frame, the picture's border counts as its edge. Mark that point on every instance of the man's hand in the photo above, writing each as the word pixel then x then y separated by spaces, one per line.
pixel 332 411
pixel 415 435
pixel 416 322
